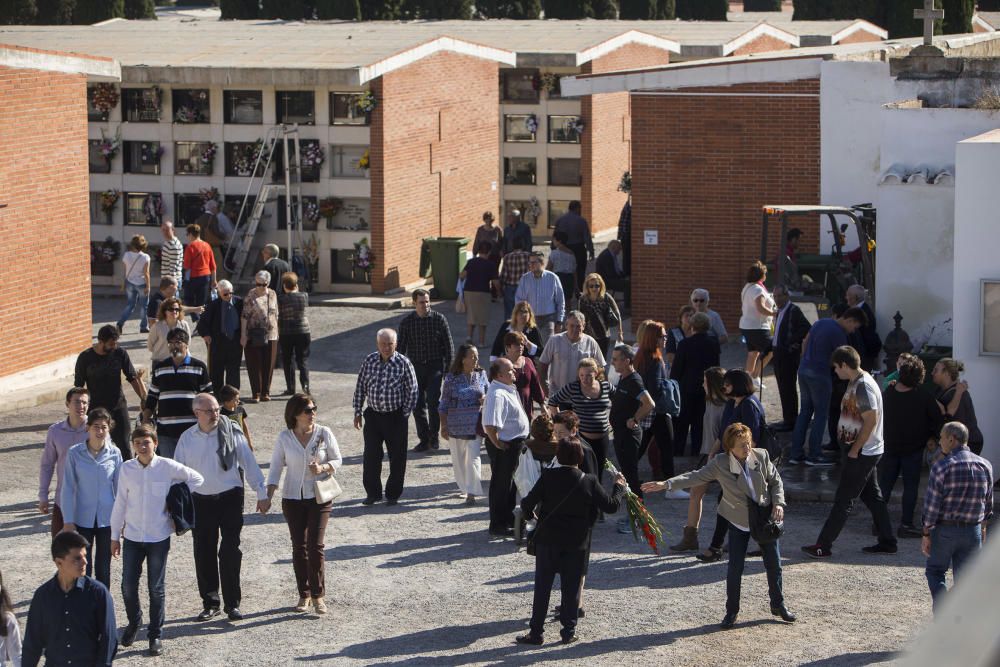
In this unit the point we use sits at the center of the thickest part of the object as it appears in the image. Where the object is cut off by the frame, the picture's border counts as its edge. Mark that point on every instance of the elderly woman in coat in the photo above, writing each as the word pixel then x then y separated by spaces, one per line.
pixel 746 475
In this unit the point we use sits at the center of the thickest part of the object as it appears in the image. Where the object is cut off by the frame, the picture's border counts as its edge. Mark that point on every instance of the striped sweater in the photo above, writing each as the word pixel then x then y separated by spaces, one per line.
pixel 172 391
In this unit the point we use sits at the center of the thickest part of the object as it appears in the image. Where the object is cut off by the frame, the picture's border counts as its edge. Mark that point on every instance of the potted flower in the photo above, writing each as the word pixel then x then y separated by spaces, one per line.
pixel 329 207
pixel 534 208
pixel 366 101
pixel 109 200
pixel 576 126
pixel 310 252
pixel 545 82
pixel 103 256
pixel 310 213
pixel 247 157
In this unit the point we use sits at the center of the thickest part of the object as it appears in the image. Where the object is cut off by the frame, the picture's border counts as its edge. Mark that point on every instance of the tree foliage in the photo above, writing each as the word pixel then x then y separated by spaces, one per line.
pixel 55 12
pixel 638 10
pixel 17 12
pixel 347 10
pixel 836 10
pixel 702 10
pixel 510 9
pixel 762 5
pixel 140 9
pixel 382 10
pixel 87 12
pixel 240 9
pixel 957 16
pixel 900 21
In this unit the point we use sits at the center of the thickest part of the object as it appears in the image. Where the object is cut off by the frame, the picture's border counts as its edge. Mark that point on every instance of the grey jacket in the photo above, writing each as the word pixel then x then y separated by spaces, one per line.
pixel 725 470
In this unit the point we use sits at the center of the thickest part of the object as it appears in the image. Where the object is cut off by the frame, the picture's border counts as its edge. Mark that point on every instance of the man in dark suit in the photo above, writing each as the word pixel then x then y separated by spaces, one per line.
pixel 695 354
pixel 219 327
pixel 274 265
pixel 790 330
pixel 866 339
pixel 607 267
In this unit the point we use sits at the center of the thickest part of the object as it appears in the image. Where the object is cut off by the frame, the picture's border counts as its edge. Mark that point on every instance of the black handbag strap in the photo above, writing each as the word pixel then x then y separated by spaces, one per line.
pixel 559 504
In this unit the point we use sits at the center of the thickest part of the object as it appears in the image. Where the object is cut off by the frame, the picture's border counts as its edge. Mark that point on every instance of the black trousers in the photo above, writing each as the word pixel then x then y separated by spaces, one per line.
pixel 123 428
pixel 101 537
pixel 580 252
pixel 388 428
pixel 600 446
pixel 833 417
pixel 502 498
pixel 786 372
pixel 570 565
pixel 428 395
pixel 628 447
pixel 224 359
pixel 689 421
pixel 297 346
pixel 219 515
pixel 858 479
pixel 663 429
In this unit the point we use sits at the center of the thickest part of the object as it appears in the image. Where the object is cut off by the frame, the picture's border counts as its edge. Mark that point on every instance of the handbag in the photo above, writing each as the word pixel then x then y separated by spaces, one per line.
pixel 460 300
pixel 326 489
pixel 669 400
pixel 764 529
pixel 530 537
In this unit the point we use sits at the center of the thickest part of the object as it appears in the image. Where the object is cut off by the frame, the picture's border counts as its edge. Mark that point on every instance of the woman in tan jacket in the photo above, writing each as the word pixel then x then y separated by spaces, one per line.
pixel 746 474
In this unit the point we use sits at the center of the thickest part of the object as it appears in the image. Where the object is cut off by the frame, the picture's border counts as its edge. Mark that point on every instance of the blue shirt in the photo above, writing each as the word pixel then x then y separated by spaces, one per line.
pixel 461 402
pixel 544 294
pixel 825 336
pixel 77 627
pixel 88 492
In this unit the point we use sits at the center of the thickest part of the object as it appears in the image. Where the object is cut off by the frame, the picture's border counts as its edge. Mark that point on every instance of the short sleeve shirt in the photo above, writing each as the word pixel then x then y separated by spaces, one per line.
pixel 752 318
pixel 135 267
pixel 625 399
pixel 862 395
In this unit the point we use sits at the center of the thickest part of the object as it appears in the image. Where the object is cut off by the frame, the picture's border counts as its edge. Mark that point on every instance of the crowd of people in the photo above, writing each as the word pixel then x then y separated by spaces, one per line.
pixel 556 402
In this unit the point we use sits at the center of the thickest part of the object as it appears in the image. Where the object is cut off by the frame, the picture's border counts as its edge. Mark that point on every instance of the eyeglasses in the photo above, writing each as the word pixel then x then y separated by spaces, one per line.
pixel 224 293
pixel 261 284
pixel 698 300
pixel 594 286
pixel 173 310
pixel 310 410
pixel 212 410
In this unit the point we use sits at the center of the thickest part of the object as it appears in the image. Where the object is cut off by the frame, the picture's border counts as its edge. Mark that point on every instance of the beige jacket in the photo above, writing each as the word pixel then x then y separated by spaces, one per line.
pixel 726 470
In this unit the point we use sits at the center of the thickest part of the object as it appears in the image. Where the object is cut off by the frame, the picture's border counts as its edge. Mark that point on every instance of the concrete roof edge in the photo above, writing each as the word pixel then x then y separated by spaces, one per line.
pixel 762 28
pixel 859 26
pixel 980 18
pixel 428 48
pixel 628 37
pixel 95 68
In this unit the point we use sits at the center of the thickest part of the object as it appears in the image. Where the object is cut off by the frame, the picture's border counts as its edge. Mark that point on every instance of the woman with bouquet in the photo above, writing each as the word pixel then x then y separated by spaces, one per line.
pixel 747 476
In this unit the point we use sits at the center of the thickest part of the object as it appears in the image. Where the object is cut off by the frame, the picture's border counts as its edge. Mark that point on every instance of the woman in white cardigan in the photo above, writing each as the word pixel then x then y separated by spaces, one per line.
pixel 308 451
pixel 10 633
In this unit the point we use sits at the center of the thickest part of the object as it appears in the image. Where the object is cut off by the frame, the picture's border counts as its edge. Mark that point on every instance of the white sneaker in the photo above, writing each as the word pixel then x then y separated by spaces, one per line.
pixel 678 494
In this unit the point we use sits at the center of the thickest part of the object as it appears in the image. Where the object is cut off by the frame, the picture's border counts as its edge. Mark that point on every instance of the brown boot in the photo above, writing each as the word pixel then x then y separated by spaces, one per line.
pixel 689 542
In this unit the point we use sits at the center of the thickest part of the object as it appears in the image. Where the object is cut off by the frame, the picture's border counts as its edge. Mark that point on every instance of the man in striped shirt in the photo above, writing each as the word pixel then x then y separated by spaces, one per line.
pixel 175 382
pixel 171 253
pixel 957 505
pixel 388 384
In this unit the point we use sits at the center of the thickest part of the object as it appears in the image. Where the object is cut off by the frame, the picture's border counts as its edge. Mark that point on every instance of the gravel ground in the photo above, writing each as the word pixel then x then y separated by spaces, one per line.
pixel 422 584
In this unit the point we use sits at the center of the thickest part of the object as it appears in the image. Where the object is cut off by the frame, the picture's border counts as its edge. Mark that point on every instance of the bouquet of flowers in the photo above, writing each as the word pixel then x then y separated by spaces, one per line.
pixel 546 82
pixel 534 208
pixel 247 158
pixel 329 207
pixel 208 155
pixel 365 161
pixel 576 126
pixel 366 101
pixel 153 207
pixel 312 155
pixel 109 199
pixel 639 518
pixel 107 252
pixel 186 114
pixel 110 147
pixel 310 212
pixel 625 185
pixel 105 97
pixel 362 255
pixel 208 194
pixel 531 123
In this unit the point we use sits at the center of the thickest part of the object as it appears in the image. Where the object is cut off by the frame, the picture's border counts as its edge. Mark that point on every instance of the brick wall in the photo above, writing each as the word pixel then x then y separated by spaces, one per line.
pixel 762 44
pixel 702 168
pixel 45 228
pixel 865 36
pixel 604 147
pixel 434 141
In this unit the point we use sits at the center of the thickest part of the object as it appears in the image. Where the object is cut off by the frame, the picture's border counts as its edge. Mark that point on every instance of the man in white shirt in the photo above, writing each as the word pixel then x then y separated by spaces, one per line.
pixel 562 354
pixel 506 426
pixel 217 450
pixel 140 516
pixel 543 291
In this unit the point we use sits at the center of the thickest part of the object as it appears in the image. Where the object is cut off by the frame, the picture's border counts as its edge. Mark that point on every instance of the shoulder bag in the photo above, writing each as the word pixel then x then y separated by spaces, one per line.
pixel 326 488
pixel 764 529
pixel 530 540
pixel 669 400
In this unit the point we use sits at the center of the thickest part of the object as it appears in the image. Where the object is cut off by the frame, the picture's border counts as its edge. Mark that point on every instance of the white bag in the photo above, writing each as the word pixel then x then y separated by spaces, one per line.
pixel 460 301
pixel 527 473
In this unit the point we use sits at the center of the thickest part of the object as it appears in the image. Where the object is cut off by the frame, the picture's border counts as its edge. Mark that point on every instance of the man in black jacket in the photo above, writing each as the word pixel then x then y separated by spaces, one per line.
pixel 790 330
pixel 570 501
pixel 695 354
pixel 866 339
pixel 219 327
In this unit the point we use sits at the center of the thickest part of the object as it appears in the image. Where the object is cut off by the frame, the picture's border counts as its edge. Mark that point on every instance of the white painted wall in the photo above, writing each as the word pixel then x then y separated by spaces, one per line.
pixel 977 238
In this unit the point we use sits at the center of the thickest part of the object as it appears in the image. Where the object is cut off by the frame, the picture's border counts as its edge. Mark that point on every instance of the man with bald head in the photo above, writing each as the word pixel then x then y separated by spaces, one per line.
pixel 220 329
pixel 216 449
pixel 506 426
pixel 387 382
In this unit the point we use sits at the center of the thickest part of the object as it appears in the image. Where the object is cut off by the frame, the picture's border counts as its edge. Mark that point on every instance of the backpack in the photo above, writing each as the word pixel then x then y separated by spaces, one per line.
pixel 669 400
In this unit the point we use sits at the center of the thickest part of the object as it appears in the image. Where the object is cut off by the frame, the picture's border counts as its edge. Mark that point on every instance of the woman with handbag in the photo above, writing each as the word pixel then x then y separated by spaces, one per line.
pixel 570 501
pixel 312 456
pixel 259 335
pixel 462 395
pixel 649 363
pixel 753 501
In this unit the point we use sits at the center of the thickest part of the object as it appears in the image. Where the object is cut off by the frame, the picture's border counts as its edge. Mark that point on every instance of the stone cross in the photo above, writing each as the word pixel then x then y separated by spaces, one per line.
pixel 929 15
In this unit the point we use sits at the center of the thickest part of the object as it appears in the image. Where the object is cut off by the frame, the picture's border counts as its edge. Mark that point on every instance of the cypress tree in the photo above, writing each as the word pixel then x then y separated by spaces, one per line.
pixel 957 16
pixel 900 21
pixel 762 5
pixel 140 9
pixel 288 10
pixel 381 10
pixel 17 12
pixel 832 10
pixel 566 9
pixel 604 9
pixel 240 9
pixel 665 10
pixel 88 12
pixel 55 12
pixel 702 10
pixel 348 10
pixel 510 9
pixel 439 9
pixel 638 10
pixel 989 5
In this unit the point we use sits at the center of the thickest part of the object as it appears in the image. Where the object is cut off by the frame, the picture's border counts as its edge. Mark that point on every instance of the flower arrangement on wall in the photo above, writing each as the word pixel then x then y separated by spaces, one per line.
pixel 576 126
pixel 110 147
pixel 247 157
pixel 154 208
pixel 103 256
pixel 625 185
pixel 546 82
pixel 363 259
pixel 208 155
pixel 310 212
pixel 208 194
pixel 313 155
pixel 194 113
pixel 329 207
pixel 109 200
pixel 151 153
pixel 365 161
pixel 531 123
pixel 534 208
pixel 105 97
pixel 310 252
pixel 366 101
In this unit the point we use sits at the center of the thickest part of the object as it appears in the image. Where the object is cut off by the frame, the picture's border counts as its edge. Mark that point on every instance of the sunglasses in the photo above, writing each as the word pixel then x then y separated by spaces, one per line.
pixel 310 410
pixel 698 300
pixel 594 286
pixel 173 310
pixel 261 284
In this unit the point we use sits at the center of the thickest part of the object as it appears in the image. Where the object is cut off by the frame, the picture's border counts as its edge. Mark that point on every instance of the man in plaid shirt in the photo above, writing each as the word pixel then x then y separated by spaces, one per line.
pixel 515 265
pixel 957 505
pixel 389 385
pixel 425 339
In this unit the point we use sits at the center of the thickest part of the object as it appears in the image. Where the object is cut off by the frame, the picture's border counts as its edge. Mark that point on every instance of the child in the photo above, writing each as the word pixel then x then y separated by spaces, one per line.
pixel 562 262
pixel 229 397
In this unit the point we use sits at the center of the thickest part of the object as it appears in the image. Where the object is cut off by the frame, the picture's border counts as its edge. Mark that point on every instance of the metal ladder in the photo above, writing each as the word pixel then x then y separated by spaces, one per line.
pixel 240 245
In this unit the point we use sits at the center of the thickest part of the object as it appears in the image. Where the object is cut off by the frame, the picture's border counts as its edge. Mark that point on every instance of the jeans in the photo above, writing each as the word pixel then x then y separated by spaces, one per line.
pixel 388 428
pixel 909 465
pixel 136 296
pixel 428 396
pixel 738 542
pixel 508 300
pixel 858 480
pixel 815 389
pixel 155 556
pixel 218 516
pixel 950 546
pixel 102 537
pixel 166 446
